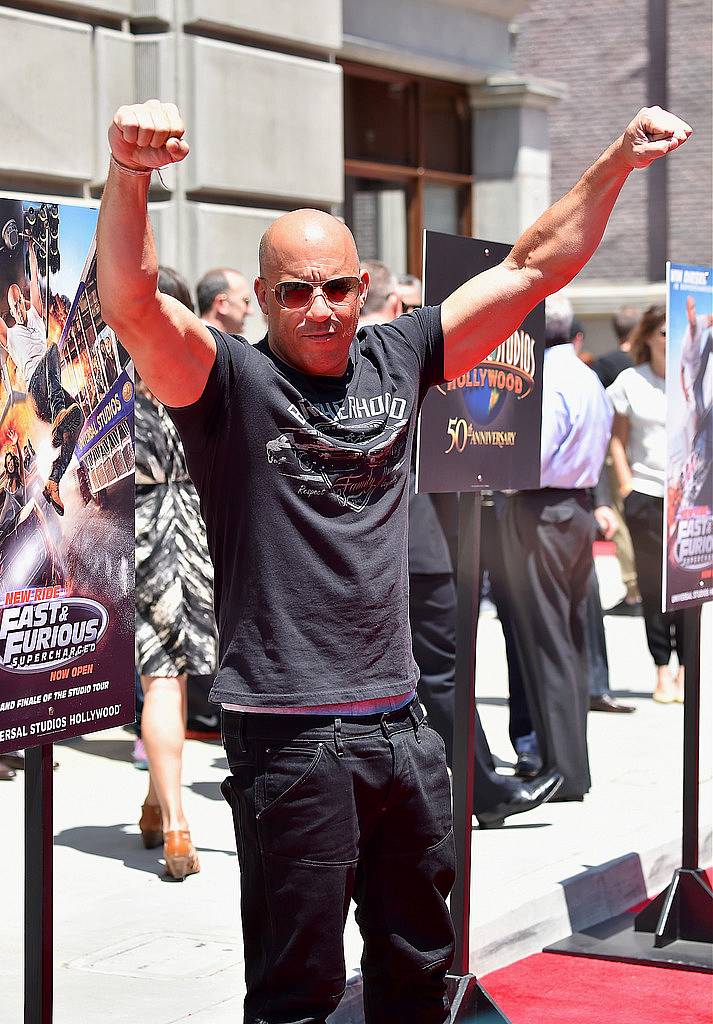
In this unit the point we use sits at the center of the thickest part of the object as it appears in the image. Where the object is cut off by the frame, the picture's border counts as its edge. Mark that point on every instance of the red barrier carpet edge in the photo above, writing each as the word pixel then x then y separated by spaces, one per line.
pixel 548 988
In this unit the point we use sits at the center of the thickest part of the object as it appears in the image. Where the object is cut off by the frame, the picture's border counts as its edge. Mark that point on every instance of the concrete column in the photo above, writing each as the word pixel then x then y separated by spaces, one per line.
pixel 511 154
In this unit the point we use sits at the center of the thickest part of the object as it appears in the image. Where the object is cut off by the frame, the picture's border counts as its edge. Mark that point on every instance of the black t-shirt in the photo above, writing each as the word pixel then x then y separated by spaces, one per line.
pixel 428 552
pixel 609 366
pixel 303 483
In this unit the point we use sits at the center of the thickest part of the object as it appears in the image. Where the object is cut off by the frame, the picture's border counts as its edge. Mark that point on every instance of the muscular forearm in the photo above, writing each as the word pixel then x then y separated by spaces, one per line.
pixel 556 247
pixel 127 267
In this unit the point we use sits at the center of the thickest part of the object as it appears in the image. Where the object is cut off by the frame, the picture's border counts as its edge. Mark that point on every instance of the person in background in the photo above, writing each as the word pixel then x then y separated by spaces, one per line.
pixel 607 368
pixel 224 299
pixel 175 628
pixel 409 290
pixel 548 554
pixel 432 616
pixel 638 451
pixel 578 338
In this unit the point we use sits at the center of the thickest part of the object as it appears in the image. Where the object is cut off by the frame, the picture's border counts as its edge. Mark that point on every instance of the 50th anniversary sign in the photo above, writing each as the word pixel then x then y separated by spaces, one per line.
pixel 481 430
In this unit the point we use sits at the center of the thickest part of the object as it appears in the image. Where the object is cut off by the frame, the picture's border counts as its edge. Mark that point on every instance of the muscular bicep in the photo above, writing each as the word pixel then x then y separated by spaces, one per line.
pixel 172 349
pixel 485 311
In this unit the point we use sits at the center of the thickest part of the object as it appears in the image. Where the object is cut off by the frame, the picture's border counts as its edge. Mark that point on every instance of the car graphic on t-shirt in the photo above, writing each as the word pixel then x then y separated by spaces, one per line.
pixel 350 472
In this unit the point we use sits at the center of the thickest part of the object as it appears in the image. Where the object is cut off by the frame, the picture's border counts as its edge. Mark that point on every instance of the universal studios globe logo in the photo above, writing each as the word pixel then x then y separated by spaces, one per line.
pixel 508 370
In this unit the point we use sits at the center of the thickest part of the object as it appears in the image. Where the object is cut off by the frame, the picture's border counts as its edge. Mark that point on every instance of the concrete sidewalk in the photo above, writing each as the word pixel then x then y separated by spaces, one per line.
pixel 133 949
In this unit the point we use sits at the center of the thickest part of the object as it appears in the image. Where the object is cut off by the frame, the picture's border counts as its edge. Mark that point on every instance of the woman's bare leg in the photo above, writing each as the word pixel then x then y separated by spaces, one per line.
pixel 163 730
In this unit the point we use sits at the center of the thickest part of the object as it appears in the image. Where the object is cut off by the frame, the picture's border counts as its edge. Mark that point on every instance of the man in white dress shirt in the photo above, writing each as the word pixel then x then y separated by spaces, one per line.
pixel 548 554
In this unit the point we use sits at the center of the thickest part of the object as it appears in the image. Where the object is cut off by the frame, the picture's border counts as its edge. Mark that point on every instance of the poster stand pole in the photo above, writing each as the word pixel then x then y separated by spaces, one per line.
pixel 676 929
pixel 469 1001
pixel 38 884
pixel 684 911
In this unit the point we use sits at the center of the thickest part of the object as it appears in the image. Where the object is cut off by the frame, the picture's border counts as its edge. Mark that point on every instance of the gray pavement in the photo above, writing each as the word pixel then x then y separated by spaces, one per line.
pixel 133 949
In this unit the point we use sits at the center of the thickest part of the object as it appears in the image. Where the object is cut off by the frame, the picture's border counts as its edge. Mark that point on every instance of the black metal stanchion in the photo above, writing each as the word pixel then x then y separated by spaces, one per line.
pixel 684 911
pixel 469 1001
pixel 38 885
pixel 675 929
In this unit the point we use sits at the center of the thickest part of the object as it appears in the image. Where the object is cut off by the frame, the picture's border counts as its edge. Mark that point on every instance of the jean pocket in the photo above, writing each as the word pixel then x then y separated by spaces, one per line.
pixel 285 769
pixel 306 811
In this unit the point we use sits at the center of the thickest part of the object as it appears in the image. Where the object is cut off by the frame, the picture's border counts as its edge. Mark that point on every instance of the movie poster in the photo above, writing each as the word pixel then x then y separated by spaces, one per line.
pixel 481 430
pixel 66 484
pixel 688 501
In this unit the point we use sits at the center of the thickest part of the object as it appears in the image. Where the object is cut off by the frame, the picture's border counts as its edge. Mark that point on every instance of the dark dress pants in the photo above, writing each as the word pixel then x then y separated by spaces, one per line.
pixel 326 810
pixel 664 630
pixel 491 558
pixel 596 640
pixel 433 630
pixel 548 555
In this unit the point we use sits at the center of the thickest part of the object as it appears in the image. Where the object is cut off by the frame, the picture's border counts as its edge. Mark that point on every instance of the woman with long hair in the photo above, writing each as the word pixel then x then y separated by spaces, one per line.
pixel 638 450
pixel 175 628
pixel 14 492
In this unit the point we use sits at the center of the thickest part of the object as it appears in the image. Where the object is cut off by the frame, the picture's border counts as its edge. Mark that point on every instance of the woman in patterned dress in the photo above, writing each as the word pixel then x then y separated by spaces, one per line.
pixel 175 627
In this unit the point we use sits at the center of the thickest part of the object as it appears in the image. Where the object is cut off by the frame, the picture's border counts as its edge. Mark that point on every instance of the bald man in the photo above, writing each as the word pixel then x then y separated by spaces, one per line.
pixel 299 449
pixel 224 299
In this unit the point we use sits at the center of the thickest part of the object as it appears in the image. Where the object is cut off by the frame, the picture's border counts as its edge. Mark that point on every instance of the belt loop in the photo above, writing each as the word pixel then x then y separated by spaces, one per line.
pixel 384 725
pixel 339 746
pixel 241 734
pixel 414 722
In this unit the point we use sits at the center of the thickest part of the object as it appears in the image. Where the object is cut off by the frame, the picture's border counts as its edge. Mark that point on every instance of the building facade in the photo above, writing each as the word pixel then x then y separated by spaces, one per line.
pixel 396 114
pixel 612 59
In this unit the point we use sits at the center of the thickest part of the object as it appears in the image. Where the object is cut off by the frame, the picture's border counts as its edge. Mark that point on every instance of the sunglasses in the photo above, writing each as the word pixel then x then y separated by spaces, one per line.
pixel 299 294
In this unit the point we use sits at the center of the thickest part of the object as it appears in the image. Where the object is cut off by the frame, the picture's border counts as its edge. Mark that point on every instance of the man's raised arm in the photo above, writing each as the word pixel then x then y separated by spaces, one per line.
pixel 173 351
pixel 35 294
pixel 484 311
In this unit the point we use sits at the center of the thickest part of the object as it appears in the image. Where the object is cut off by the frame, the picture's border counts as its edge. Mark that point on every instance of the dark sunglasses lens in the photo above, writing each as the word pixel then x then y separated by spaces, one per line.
pixel 339 289
pixel 293 294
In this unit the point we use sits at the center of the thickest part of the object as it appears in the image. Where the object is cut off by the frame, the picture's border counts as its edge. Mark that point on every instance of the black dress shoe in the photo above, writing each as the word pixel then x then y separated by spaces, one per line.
pixel 608 703
pixel 524 797
pixel 528 765
pixel 626 608
pixel 6 773
pixel 14 759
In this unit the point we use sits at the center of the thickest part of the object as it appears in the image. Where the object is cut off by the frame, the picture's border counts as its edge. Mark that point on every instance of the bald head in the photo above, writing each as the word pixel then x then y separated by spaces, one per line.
pixel 16 301
pixel 303 237
pixel 313 247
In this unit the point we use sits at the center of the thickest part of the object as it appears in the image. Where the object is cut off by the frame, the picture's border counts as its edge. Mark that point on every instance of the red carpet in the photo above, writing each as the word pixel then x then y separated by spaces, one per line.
pixel 552 989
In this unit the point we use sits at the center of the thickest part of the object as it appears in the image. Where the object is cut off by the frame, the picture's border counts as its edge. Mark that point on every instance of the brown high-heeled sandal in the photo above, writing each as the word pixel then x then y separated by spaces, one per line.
pixel 150 825
pixel 180 854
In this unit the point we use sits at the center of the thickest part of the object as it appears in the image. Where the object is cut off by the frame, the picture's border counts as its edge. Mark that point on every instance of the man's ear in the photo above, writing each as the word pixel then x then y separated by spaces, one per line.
pixel 364 289
pixel 396 306
pixel 260 289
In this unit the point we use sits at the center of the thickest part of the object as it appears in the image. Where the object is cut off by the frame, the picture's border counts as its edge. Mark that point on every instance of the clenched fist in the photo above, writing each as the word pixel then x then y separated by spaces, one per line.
pixel 653 133
pixel 147 135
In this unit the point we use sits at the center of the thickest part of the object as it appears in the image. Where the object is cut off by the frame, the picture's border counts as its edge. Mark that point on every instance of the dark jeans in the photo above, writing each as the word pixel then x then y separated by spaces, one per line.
pixel 664 630
pixel 327 810
pixel 50 398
